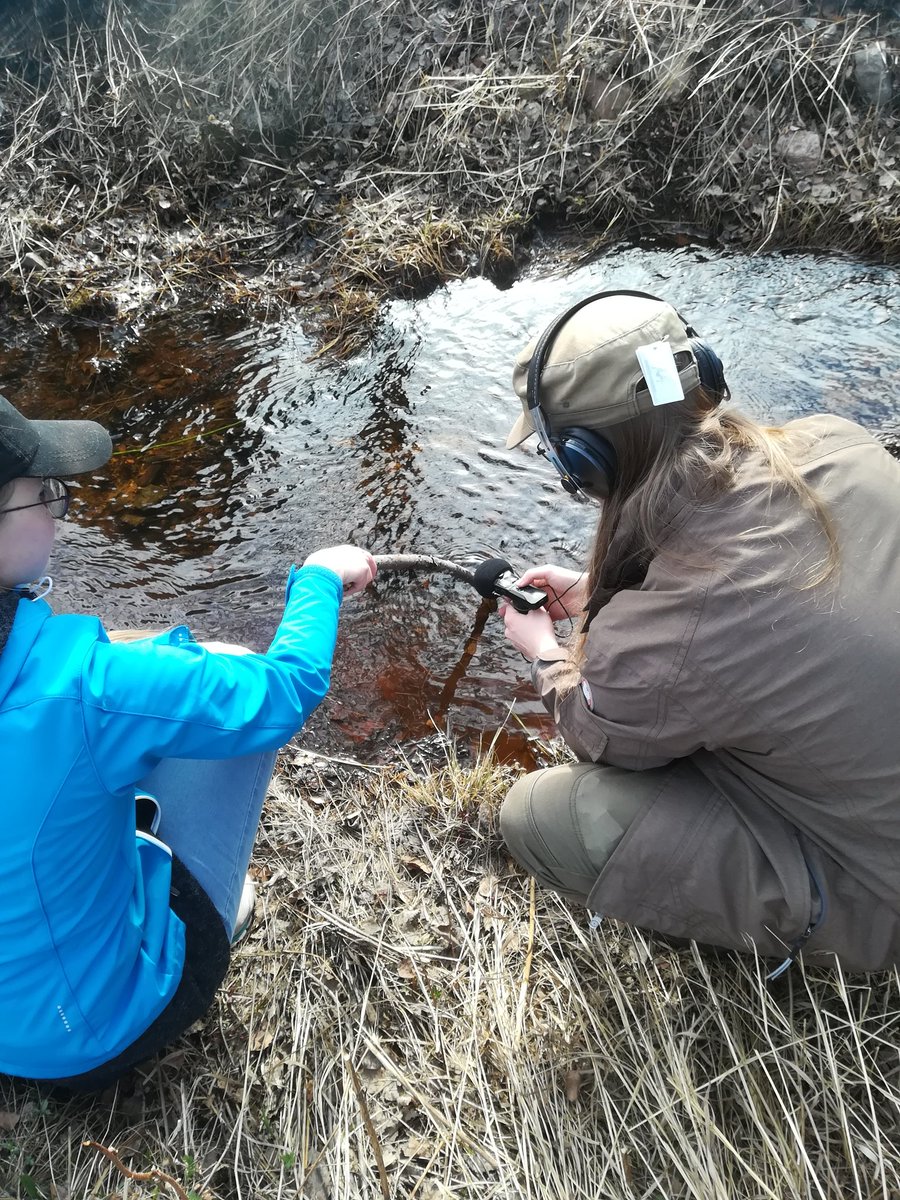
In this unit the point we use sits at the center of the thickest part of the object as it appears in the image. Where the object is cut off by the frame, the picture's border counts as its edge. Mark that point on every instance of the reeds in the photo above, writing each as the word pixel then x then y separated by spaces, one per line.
pixel 411 1018
pixel 394 147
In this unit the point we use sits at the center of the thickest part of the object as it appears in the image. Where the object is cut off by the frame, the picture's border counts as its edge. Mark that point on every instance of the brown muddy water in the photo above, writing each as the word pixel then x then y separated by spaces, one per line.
pixel 236 455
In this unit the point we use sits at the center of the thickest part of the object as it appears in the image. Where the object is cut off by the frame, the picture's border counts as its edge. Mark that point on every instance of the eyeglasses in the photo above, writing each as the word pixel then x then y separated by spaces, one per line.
pixel 54 496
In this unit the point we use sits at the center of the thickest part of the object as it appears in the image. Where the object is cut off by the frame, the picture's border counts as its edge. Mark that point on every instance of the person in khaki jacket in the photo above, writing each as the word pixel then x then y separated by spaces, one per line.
pixel 730 689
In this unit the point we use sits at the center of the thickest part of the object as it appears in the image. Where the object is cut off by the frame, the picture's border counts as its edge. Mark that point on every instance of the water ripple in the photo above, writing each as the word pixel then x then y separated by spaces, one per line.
pixel 238 455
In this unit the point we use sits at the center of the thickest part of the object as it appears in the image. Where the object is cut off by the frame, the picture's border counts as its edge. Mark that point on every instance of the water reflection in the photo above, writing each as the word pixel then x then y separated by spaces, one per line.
pixel 238 455
pixel 170 394
pixel 389 476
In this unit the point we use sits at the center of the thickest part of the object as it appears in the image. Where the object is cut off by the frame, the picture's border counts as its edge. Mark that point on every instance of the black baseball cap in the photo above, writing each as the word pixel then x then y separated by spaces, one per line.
pixel 37 449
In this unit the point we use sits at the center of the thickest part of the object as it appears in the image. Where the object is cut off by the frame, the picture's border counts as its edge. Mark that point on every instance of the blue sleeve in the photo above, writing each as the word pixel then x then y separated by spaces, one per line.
pixel 147 700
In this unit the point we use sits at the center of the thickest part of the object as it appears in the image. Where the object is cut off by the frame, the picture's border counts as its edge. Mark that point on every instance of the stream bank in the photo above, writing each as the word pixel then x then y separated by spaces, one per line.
pixel 289 154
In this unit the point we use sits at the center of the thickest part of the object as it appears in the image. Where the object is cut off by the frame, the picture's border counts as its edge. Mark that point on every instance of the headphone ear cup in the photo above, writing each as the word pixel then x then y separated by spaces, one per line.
pixel 589 459
pixel 709 366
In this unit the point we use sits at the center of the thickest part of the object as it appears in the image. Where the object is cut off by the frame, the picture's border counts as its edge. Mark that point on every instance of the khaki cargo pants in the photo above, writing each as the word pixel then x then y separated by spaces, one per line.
pixel 661 849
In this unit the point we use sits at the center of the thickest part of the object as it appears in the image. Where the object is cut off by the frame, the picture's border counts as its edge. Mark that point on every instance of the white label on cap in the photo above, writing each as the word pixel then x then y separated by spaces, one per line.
pixel 660 372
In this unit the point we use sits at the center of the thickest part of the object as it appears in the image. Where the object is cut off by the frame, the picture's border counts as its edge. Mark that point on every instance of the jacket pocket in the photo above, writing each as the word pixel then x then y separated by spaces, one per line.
pixel 583 730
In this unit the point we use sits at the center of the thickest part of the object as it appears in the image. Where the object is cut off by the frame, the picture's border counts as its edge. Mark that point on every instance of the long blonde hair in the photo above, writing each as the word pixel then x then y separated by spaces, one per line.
pixel 694 448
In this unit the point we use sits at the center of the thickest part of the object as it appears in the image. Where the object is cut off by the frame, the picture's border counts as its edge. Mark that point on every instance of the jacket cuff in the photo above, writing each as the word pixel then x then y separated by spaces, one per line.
pixel 552 659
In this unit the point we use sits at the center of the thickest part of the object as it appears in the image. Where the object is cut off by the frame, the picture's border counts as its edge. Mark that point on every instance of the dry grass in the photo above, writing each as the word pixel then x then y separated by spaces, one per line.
pixel 409 1018
pixel 399 244
pixel 395 151
pixel 644 112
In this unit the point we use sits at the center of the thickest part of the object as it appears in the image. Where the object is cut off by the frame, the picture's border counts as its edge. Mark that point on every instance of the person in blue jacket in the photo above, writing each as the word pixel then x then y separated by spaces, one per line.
pixel 114 938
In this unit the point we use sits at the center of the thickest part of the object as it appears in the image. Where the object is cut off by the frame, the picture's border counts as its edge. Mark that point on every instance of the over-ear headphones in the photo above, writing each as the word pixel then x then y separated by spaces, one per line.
pixel 584 459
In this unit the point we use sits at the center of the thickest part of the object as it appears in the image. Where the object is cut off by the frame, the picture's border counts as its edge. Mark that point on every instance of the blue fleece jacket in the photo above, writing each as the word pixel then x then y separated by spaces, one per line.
pixel 90 952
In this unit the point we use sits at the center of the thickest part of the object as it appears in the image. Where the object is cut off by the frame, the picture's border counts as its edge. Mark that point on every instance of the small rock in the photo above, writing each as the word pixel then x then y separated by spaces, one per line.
pixel 605 99
pixel 872 73
pixel 801 150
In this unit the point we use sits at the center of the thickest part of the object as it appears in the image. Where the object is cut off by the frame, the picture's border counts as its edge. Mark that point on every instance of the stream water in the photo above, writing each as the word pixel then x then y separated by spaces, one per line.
pixel 237 453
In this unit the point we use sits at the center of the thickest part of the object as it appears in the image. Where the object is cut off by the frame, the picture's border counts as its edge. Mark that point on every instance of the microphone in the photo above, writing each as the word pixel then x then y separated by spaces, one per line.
pixel 496 577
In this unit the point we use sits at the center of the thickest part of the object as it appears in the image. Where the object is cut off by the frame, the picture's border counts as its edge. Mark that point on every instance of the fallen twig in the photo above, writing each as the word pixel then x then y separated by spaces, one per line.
pixel 369 1127
pixel 140 1176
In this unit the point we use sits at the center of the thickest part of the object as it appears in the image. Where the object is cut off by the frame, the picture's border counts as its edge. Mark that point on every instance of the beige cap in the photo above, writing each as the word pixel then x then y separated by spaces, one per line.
pixel 591 377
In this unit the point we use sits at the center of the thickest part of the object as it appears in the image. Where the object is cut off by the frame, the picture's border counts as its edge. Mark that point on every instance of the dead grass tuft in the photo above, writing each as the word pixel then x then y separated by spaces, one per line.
pixel 401 247
pixel 410 1018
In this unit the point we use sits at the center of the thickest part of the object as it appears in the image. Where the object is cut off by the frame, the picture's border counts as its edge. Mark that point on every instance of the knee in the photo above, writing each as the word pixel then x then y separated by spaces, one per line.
pixel 515 820
pixel 557 825
pixel 535 839
pixel 538 809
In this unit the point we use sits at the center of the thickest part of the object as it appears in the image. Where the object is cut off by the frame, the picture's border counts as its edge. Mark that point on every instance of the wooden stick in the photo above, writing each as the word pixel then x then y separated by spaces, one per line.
pixel 529 955
pixel 140 1176
pixel 370 1128
pixel 423 562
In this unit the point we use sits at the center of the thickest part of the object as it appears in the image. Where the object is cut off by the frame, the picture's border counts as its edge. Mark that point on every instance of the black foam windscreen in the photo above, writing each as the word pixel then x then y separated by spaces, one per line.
pixel 487 573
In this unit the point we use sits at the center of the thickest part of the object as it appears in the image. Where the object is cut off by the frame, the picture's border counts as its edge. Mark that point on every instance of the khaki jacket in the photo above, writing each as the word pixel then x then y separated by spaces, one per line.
pixel 787 701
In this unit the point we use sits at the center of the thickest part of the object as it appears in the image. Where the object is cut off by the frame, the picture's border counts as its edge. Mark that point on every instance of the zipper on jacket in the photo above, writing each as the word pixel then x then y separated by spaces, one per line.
pixel 815 921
